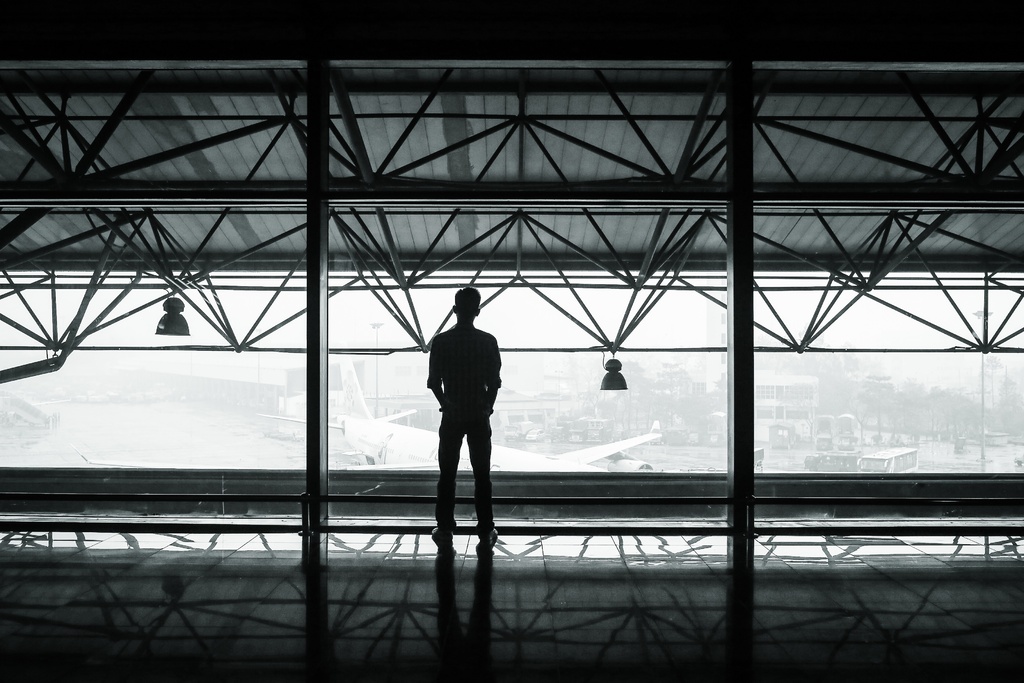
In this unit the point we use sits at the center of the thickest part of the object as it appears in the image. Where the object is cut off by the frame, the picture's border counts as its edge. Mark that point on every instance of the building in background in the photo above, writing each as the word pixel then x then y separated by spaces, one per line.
pixel 785 407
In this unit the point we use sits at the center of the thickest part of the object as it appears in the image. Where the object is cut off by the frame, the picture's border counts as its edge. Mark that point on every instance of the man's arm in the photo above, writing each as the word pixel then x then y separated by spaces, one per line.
pixel 434 379
pixel 439 395
pixel 493 377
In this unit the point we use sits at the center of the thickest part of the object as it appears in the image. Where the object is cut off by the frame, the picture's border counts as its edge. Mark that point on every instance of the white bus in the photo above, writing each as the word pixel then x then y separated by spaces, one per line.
pixel 890 461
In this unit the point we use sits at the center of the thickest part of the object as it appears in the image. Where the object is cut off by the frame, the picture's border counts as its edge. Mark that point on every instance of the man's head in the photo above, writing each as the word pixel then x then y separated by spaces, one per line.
pixel 467 303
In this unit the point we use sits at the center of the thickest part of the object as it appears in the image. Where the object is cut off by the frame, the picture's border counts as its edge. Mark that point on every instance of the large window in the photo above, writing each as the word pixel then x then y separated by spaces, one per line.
pixel 903 313
pixel 93 400
pixel 590 206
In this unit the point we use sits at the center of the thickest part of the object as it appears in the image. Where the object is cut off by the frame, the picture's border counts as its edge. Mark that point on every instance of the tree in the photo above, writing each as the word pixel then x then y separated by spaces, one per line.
pixel 951 413
pixel 875 399
pixel 1010 408
pixel 670 388
pixel 911 410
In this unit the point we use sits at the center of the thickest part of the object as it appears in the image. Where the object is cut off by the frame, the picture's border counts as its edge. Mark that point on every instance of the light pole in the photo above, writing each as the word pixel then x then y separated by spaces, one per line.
pixel 983 316
pixel 982 405
pixel 376 368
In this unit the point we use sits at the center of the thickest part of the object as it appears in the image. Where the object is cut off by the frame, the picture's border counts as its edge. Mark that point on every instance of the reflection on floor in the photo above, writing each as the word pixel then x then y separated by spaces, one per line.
pixel 133 607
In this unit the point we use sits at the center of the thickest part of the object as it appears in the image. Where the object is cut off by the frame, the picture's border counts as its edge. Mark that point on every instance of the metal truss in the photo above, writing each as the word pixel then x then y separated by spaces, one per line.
pixel 245 132
pixel 502 128
pixel 490 131
pixel 240 138
pixel 144 262
pixel 157 254
pixel 514 250
pixel 918 134
pixel 876 265
pixel 72 139
pixel 460 129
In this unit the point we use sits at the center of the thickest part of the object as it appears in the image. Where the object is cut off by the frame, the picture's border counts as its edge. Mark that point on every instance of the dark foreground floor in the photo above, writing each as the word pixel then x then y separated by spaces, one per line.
pixel 200 607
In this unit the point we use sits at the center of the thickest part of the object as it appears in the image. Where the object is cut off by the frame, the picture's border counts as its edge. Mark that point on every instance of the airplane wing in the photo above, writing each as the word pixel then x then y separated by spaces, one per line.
pixel 589 455
pixel 299 420
pixel 388 466
pixel 386 418
pixel 396 416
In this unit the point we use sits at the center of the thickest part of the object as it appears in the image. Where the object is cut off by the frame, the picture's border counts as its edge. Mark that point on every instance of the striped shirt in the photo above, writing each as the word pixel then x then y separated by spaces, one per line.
pixel 465 363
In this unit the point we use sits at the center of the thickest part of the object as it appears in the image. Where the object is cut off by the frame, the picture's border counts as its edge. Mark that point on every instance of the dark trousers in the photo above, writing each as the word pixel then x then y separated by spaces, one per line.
pixel 478 437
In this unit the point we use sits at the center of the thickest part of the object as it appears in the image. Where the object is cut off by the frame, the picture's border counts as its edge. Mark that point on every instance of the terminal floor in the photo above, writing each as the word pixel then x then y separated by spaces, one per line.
pixel 200 607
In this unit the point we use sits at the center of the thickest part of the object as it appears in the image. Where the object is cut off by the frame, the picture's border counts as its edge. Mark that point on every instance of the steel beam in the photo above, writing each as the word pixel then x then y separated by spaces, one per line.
pixel 110 125
pixel 381 292
pixel 923 169
pixel 597 333
pixel 38 152
pixel 414 276
pixel 740 328
pixel 573 247
pixel 18 225
pixel 248 339
pixel 594 149
pixel 740 364
pixel 544 150
pixel 184 150
pixel 445 151
pixel 417 117
pixel 636 195
pixel 632 123
pixel 360 81
pixel 317 264
pixel 355 136
pixel 499 148
pixel 683 167
pixel 936 125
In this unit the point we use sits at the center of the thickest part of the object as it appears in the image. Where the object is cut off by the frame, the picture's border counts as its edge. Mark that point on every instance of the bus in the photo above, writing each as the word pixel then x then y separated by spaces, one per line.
pixel 832 461
pixel 890 461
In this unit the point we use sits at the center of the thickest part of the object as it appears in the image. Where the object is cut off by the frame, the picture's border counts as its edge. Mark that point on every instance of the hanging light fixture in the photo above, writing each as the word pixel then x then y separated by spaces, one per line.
pixel 613 379
pixel 173 323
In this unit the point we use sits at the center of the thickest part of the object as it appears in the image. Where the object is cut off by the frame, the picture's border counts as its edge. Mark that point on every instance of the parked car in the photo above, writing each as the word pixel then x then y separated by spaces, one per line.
pixel 535 435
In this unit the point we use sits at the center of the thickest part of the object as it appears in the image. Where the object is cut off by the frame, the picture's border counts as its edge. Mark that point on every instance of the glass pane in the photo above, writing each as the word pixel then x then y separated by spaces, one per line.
pixel 554 292
pixel 127 410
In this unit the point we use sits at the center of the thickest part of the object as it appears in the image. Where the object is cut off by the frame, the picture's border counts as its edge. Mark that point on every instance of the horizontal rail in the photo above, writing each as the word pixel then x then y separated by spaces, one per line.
pixel 888 500
pixel 995 528
pixel 354 498
pixel 150 526
pixel 152 497
pixel 507 500
pixel 516 528
pixel 291 196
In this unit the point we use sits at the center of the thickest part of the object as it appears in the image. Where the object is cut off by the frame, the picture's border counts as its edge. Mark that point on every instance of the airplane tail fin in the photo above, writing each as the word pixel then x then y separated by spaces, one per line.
pixel 353 404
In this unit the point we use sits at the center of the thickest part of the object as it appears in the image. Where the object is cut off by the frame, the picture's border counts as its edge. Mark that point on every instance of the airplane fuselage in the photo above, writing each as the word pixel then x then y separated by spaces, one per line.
pixel 396 445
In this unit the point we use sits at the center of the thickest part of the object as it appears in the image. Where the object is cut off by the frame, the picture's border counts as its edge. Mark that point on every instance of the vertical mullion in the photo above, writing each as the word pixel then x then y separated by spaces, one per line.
pixel 315 510
pixel 316 300
pixel 740 275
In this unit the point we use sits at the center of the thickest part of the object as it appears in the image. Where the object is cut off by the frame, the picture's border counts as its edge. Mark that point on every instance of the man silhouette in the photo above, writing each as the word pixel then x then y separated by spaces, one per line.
pixel 464 375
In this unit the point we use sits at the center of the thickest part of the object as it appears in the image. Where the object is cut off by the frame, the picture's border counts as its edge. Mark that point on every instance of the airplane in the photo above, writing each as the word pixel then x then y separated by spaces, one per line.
pixel 382 443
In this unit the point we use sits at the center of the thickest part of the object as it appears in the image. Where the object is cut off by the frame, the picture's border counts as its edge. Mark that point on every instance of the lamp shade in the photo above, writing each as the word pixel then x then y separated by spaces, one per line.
pixel 173 322
pixel 613 379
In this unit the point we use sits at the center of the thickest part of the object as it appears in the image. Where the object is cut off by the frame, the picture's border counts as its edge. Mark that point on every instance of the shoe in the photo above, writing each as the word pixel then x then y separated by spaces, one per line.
pixel 442 537
pixel 488 540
